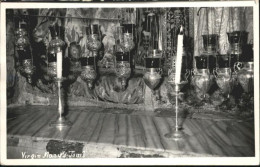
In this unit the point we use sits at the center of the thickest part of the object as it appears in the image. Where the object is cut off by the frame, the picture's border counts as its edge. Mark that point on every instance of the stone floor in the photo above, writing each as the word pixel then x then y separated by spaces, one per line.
pixel 99 132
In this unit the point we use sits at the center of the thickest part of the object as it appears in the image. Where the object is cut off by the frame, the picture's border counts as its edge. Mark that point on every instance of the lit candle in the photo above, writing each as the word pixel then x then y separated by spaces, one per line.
pixel 59 65
pixel 179 57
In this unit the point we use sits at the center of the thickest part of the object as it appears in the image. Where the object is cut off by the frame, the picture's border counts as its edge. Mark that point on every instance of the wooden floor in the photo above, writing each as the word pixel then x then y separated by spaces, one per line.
pixel 213 137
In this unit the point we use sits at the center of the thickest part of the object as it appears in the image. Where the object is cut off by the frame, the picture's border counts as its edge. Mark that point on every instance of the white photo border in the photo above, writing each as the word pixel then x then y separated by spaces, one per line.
pixel 130 161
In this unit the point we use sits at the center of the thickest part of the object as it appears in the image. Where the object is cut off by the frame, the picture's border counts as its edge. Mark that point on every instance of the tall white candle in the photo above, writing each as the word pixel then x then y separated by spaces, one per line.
pixel 59 65
pixel 179 57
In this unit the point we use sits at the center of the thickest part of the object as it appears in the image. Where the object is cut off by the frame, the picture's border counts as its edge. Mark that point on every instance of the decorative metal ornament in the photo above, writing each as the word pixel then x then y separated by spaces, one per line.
pixel 94 44
pixel 94 36
pixel 52 71
pixel 74 56
pixel 21 36
pixel 27 69
pixel 128 43
pixel 88 70
pixel 123 69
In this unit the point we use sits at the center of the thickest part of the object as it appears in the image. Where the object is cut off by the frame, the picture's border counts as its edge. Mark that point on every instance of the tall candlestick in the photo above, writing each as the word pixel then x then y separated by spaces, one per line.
pixel 179 57
pixel 59 65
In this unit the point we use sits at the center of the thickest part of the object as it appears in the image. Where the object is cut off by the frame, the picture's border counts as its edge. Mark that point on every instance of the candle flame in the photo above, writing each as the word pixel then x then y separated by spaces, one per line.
pixel 181 30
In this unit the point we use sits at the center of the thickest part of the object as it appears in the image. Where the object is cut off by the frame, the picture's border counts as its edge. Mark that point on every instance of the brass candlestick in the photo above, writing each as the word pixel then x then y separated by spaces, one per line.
pixel 177 133
pixel 56 45
pixel 61 122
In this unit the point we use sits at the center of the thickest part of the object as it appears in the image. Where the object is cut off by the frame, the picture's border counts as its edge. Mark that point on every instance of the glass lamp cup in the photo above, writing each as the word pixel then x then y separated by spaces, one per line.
pixel 210 42
pixel 237 39
pixel 93 29
pixel 206 61
pixel 202 62
pixel 223 61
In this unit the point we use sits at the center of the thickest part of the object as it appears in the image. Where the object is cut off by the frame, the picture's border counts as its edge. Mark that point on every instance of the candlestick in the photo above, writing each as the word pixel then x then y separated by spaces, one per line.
pixel 179 56
pixel 59 65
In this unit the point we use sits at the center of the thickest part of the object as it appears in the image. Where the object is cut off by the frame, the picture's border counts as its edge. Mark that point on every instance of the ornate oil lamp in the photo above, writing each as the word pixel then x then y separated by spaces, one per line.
pixel 205 63
pixel 210 44
pixel 153 74
pixel 123 47
pixel 223 75
pixel 128 37
pixel 22 44
pixel 88 66
pixel 21 36
pixel 93 36
pixel 245 76
pixel 201 75
pixel 74 56
pixel 237 39
pixel 88 62
pixel 26 69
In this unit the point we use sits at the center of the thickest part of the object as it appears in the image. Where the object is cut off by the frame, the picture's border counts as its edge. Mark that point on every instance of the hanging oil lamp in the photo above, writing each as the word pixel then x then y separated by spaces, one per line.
pixel 27 68
pixel 237 39
pixel 123 56
pixel 22 44
pixel 88 67
pixel 206 62
pixel 223 74
pixel 89 62
pixel 21 36
pixel 74 60
pixel 153 74
pixel 94 37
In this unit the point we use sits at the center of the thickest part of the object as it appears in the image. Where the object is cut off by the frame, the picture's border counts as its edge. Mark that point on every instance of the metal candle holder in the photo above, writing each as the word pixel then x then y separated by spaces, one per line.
pixel 62 121
pixel 56 45
pixel 177 133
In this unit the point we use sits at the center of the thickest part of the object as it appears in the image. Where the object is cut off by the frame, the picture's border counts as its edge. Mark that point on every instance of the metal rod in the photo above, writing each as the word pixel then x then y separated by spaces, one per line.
pixel 176 110
pixel 59 102
pixel 74 17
